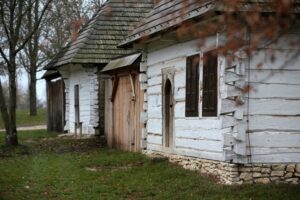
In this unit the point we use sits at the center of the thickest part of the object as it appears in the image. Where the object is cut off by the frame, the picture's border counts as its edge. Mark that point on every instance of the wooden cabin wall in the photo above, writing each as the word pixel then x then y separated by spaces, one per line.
pixel 273 105
pixel 201 137
pixel 55 106
pixel 265 128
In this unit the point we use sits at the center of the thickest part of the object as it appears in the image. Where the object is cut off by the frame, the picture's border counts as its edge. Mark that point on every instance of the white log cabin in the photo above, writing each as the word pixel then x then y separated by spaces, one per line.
pixel 196 110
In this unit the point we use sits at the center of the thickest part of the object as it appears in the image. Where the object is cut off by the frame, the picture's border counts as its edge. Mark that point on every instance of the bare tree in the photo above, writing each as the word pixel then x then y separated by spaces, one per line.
pixel 12 16
pixel 63 22
pixel 31 58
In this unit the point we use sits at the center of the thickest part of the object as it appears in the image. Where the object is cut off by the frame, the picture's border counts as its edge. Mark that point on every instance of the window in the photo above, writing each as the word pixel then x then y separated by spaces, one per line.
pixel 192 86
pixel 210 84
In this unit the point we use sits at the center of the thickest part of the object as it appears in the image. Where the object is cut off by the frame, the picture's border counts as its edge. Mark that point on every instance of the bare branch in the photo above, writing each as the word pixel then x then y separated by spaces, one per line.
pixel 23 62
pixel 35 27
pixel 19 20
pixel 4 22
pixel 4 56
pixel 41 63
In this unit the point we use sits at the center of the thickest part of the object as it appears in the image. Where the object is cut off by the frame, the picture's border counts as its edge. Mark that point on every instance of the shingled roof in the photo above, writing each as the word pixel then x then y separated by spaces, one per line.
pixel 97 41
pixel 166 14
pixel 171 13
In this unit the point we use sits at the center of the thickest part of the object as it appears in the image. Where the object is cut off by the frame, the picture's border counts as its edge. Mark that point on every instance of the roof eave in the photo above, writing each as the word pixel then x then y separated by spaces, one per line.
pixel 129 43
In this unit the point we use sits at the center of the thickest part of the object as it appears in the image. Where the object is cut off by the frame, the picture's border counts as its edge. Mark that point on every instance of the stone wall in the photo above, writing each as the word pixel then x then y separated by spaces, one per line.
pixel 229 174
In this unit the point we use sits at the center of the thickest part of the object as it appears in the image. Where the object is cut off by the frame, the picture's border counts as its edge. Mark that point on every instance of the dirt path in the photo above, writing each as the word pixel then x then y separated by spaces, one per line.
pixel 27 128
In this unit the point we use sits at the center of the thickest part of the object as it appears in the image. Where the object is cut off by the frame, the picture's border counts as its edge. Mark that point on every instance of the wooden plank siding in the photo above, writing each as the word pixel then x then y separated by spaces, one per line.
pixel 122 113
pixel 55 106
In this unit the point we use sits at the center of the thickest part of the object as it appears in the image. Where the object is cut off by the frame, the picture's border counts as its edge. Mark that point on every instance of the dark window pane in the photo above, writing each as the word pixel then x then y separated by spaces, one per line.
pixel 210 84
pixel 192 86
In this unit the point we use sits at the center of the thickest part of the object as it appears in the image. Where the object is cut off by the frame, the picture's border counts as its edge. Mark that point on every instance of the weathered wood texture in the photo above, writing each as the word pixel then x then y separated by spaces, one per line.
pixel 166 14
pixel 232 109
pixel 264 121
pixel 122 113
pixel 55 106
pixel 101 102
pixel 273 105
pixel 260 127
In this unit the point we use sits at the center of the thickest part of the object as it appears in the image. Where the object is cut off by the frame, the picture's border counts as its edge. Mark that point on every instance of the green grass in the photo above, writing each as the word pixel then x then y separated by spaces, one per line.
pixel 45 167
pixel 23 118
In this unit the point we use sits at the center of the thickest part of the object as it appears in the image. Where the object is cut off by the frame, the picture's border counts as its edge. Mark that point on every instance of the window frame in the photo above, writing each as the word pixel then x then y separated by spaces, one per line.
pixel 200 82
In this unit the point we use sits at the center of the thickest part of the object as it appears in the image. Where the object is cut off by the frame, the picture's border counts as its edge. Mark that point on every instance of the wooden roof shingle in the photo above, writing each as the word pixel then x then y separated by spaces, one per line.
pixel 98 39
pixel 167 14
pixel 171 13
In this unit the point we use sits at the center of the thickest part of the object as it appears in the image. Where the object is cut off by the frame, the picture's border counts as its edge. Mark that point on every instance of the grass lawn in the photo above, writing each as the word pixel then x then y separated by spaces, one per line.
pixel 46 167
pixel 23 118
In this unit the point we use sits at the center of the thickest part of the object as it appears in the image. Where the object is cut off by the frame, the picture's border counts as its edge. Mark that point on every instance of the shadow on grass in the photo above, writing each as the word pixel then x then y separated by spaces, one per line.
pixel 11 151
pixel 41 141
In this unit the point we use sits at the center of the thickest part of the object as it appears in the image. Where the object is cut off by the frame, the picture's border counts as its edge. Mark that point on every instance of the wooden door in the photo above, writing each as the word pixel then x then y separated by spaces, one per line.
pixel 55 106
pixel 123 132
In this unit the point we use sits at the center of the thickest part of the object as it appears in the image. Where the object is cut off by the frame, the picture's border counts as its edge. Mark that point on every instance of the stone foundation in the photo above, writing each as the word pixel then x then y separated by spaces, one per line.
pixel 229 174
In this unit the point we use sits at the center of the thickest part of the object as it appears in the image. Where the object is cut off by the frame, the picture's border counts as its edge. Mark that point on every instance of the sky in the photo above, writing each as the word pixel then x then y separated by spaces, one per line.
pixel 40 86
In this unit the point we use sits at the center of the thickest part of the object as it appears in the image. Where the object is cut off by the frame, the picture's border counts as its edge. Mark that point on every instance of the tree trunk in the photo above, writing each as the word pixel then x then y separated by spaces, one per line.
pixel 10 127
pixel 11 138
pixel 11 134
pixel 3 108
pixel 32 93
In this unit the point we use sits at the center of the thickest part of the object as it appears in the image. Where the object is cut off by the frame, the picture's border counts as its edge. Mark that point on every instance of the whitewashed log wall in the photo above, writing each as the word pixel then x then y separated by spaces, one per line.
pixel 273 104
pixel 262 126
pixel 232 109
pixel 193 136
pixel 86 78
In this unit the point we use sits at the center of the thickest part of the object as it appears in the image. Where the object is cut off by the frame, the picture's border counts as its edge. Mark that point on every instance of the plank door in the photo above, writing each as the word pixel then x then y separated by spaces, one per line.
pixel 56 106
pixel 126 126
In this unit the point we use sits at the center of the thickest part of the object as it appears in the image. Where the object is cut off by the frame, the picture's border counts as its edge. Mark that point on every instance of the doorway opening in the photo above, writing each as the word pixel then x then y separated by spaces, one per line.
pixel 168 114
